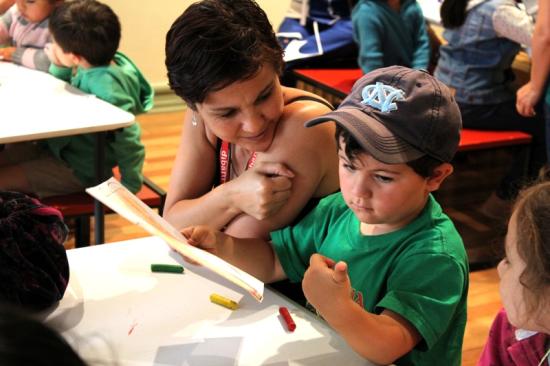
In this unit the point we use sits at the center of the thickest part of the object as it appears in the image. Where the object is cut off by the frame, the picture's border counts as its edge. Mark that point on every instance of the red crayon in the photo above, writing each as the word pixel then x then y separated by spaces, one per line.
pixel 288 319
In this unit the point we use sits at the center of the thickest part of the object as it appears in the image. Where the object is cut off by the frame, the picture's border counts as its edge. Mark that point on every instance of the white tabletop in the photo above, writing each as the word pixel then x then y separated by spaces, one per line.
pixel 430 9
pixel 35 105
pixel 115 308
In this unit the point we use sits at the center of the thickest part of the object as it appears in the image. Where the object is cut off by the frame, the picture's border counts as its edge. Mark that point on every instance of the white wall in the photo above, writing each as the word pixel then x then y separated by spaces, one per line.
pixel 144 27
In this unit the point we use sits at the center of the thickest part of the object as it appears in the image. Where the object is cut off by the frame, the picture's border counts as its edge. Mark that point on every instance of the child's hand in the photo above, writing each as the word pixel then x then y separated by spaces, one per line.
pixel 202 237
pixel 326 284
pixel 6 53
pixel 48 50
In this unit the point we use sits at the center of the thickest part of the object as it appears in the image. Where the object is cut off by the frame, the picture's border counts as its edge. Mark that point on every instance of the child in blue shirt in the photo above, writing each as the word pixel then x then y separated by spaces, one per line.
pixel 390 32
pixel 379 261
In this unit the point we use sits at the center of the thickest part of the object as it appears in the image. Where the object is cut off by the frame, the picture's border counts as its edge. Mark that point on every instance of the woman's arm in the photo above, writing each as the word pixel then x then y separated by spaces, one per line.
pixel 191 200
pixel 311 155
pixel 529 94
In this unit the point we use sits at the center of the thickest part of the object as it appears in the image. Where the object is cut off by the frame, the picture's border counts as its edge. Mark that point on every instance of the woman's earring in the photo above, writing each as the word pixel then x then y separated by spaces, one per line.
pixel 194 119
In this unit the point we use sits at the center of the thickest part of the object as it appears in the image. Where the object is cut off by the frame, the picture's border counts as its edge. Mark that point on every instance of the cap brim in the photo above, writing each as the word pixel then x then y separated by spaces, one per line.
pixel 372 135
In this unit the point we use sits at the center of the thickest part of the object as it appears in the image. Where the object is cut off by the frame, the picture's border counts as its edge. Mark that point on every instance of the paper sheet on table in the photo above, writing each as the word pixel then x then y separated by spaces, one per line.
pixel 114 195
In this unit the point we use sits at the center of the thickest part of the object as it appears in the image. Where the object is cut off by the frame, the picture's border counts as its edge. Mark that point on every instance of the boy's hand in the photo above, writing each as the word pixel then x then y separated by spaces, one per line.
pixel 263 190
pixel 6 53
pixel 326 284
pixel 202 237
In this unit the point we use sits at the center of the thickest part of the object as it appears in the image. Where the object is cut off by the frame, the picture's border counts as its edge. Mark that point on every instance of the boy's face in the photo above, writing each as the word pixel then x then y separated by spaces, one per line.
pixel 35 11
pixel 386 196
pixel 66 59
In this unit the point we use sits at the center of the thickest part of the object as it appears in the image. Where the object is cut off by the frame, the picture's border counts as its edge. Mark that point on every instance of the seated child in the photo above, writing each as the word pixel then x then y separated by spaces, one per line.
pixel 390 32
pixel 86 35
pixel 520 334
pixel 379 261
pixel 24 33
pixel 34 271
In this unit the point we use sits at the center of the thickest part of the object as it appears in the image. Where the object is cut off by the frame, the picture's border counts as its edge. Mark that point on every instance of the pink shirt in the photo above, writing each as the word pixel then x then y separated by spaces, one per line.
pixel 508 346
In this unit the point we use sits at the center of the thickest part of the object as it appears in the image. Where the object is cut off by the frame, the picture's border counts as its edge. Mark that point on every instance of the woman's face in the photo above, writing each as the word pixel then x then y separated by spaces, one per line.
pixel 511 289
pixel 245 113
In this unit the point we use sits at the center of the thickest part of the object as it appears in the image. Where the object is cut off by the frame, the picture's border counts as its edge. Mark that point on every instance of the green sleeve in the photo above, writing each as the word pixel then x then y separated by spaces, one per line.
pixel 60 72
pixel 428 290
pixel 294 245
pixel 130 155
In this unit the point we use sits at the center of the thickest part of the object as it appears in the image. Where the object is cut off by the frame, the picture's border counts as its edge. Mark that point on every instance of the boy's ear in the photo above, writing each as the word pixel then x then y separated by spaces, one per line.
pixel 439 174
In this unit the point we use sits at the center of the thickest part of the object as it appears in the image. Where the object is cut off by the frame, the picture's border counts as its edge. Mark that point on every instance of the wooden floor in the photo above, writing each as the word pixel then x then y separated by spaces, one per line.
pixel 161 134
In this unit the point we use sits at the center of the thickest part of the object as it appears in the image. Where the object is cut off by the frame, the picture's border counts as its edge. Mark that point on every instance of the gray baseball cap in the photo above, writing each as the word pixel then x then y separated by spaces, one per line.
pixel 398 114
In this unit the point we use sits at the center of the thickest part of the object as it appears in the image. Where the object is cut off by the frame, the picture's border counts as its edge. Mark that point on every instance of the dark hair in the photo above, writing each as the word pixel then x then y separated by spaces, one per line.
pixel 533 244
pixel 87 28
pixel 25 340
pixel 34 271
pixel 215 43
pixel 453 13
pixel 423 166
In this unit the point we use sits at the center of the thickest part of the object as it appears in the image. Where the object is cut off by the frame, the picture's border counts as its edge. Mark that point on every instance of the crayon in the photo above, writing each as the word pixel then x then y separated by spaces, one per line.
pixel 287 318
pixel 171 268
pixel 224 301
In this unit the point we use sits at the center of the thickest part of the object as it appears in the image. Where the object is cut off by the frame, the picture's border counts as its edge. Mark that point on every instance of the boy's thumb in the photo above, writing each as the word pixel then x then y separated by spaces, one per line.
pixel 340 273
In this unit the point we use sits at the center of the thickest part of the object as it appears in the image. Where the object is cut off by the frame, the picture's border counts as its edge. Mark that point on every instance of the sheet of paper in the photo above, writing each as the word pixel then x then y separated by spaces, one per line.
pixel 114 195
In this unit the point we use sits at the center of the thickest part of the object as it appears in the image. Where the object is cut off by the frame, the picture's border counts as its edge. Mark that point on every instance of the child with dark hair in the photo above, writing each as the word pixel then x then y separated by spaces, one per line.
pixel 520 334
pixel 24 32
pixel 86 35
pixel 379 261
pixel 476 61
pixel 34 271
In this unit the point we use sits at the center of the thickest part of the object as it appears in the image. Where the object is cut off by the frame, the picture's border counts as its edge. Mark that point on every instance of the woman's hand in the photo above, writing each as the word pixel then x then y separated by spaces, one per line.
pixel 326 285
pixel 526 99
pixel 263 190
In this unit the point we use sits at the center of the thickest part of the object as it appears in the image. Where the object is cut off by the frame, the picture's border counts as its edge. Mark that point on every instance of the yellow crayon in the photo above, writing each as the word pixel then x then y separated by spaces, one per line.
pixel 224 301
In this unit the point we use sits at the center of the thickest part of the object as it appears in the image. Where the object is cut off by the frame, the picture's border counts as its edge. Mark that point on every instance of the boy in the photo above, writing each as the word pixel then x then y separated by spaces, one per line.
pixel 86 36
pixel 384 239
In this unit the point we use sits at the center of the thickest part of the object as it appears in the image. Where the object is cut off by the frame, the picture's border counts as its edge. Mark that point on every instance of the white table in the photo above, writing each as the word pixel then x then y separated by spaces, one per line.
pixel 36 105
pixel 116 309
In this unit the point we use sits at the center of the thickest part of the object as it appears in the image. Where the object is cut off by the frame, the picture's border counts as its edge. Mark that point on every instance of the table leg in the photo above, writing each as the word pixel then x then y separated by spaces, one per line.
pixel 99 214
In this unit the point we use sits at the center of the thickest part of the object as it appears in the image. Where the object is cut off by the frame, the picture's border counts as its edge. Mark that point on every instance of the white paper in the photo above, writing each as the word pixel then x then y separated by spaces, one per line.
pixel 114 195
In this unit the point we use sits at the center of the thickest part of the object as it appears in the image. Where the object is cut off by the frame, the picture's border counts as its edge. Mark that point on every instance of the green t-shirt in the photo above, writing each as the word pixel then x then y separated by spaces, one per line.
pixel 419 272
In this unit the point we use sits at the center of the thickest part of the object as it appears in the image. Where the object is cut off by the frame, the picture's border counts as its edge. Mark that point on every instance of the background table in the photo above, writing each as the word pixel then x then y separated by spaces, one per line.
pixel 115 308
pixel 36 105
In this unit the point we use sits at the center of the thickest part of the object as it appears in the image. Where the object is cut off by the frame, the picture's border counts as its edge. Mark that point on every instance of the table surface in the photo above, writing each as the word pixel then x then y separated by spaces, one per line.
pixel 115 308
pixel 35 105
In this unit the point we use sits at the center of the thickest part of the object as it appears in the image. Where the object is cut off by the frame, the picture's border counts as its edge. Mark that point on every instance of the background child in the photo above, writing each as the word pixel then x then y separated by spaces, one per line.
pixel 24 32
pixel 520 334
pixel 86 36
pixel 390 32
pixel 476 62
pixel 34 271
pixel 380 261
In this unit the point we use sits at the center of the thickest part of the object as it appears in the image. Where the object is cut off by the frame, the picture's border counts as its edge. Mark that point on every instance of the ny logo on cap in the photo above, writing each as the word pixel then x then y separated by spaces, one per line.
pixel 382 97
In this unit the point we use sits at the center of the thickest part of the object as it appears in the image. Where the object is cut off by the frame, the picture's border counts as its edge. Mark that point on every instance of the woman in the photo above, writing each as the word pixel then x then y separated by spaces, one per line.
pixel 246 163
pixel 476 62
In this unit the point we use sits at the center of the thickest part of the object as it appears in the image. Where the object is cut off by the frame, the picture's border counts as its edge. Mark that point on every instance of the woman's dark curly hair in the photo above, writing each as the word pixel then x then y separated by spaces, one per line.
pixel 215 43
